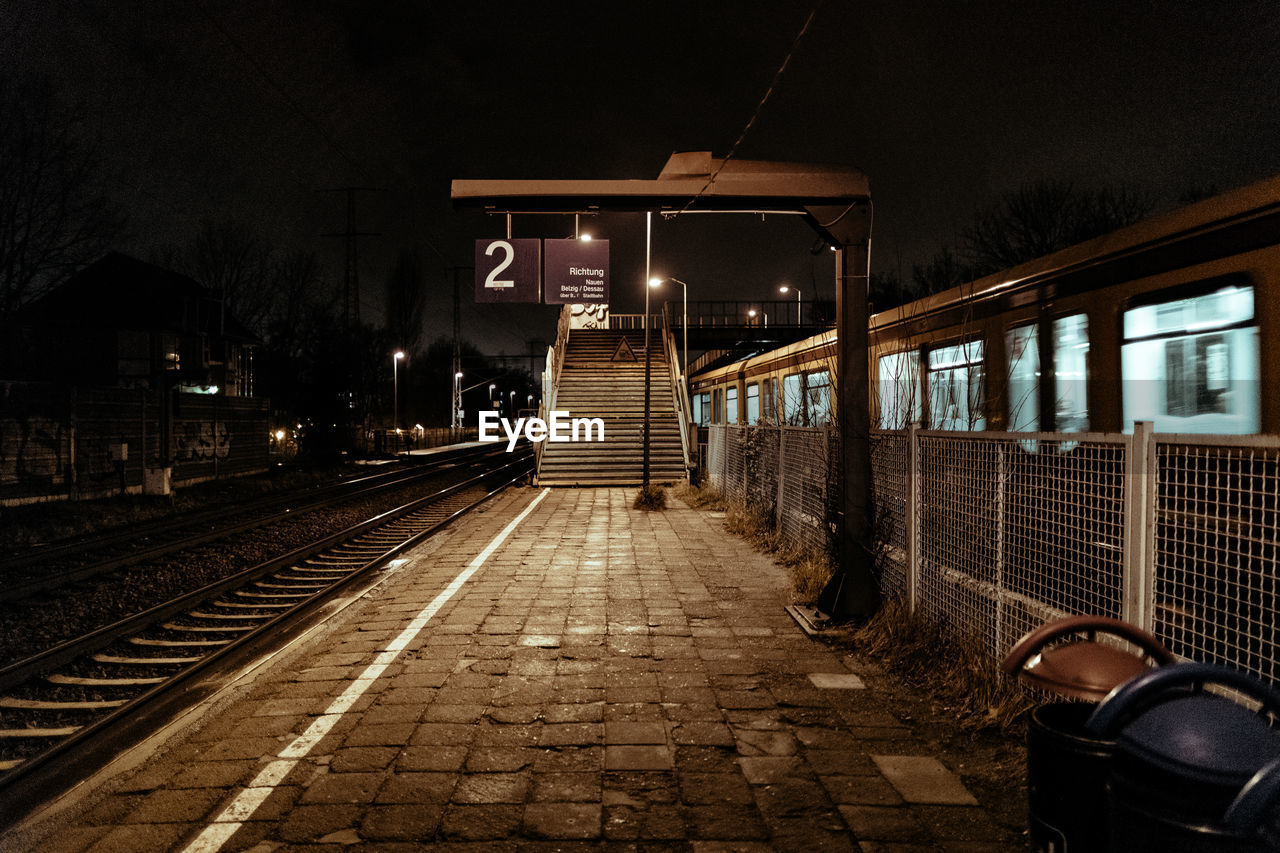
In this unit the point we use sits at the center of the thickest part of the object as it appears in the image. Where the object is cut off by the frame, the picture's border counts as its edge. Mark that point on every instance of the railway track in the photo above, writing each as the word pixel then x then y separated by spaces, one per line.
pixel 76 699
pixel 44 569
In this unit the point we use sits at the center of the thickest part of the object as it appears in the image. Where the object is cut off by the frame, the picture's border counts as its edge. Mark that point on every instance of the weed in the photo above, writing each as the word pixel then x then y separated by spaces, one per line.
pixel 700 497
pixel 954 667
pixel 650 498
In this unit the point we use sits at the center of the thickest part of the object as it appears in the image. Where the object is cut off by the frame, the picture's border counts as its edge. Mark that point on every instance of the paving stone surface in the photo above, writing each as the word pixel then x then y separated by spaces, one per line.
pixel 607 679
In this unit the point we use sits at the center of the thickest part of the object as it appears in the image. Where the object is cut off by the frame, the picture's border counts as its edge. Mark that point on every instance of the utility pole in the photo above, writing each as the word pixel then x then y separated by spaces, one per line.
pixel 351 265
pixel 457 340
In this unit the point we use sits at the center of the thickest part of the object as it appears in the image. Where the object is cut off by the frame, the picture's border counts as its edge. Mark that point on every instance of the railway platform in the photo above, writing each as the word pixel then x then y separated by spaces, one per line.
pixel 558 671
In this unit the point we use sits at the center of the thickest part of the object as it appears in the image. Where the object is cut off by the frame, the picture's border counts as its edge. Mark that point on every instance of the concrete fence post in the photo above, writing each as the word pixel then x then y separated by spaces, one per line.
pixel 1139 528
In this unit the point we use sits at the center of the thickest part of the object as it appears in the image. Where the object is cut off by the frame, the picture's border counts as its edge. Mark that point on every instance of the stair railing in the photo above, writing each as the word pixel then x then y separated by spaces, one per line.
pixel 551 378
pixel 680 389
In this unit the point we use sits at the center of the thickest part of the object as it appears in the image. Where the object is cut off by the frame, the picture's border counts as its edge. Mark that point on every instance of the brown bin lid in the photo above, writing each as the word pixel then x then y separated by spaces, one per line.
pixel 1084 669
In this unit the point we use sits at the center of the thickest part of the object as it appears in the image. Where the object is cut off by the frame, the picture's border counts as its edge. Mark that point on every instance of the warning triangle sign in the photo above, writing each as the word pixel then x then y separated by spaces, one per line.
pixel 623 352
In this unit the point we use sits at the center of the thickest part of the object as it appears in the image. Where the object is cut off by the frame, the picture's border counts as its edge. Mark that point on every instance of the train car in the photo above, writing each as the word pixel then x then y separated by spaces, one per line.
pixel 1173 320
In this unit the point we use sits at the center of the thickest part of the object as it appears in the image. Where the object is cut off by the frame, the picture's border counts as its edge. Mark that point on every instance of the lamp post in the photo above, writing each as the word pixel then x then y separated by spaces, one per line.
pixel 753 313
pixel 786 288
pixel 457 398
pixel 395 389
pixel 651 283
pixel 511 396
pixel 684 324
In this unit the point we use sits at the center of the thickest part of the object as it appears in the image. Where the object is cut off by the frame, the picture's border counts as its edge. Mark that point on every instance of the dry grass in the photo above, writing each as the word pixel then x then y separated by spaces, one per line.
pixel 955 670
pixel 699 497
pixel 809 569
pixel 650 498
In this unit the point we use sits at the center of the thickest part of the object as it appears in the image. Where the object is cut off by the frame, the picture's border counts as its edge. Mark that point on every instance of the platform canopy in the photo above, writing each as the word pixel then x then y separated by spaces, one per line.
pixel 835 200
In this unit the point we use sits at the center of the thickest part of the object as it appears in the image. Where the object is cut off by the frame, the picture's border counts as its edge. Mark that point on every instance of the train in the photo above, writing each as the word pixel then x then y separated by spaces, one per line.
pixel 1174 320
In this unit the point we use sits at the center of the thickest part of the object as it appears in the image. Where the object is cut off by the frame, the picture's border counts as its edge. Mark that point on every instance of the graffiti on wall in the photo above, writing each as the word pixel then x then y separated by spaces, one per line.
pixel 589 316
pixel 31 448
pixel 202 441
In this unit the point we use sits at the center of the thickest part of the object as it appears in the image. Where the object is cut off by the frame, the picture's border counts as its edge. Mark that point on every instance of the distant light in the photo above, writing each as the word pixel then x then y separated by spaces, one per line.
pixel 783 289
pixel 751 313
pixel 279 435
pixel 399 355
pixel 458 375
pixel 586 237
pixel 419 427
pixel 656 282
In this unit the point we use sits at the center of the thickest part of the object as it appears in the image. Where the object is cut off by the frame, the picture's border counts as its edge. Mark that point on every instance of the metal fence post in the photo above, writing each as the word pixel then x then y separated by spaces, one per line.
pixel 911 492
pixel 1001 510
pixel 1139 527
pixel 782 478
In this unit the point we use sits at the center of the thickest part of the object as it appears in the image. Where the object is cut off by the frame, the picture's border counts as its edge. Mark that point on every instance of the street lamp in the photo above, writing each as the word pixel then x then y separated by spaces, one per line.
pixel 684 325
pixel 395 389
pixel 753 313
pixel 512 404
pixel 786 288
pixel 457 397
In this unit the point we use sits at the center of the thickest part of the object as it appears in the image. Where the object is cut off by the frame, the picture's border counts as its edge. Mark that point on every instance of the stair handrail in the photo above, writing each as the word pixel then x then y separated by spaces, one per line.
pixel 551 378
pixel 683 412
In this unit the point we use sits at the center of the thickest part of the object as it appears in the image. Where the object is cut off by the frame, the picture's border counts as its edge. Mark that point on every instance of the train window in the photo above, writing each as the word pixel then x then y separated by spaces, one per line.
pixel 899 375
pixel 1191 364
pixel 955 387
pixel 792 400
pixel 753 403
pixel 702 409
pixel 1024 378
pixel 767 412
pixel 1071 373
pixel 717 406
pixel 817 398
pixel 731 404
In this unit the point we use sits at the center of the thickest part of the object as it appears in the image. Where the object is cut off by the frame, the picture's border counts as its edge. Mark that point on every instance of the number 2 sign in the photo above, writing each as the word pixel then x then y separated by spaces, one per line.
pixel 508 270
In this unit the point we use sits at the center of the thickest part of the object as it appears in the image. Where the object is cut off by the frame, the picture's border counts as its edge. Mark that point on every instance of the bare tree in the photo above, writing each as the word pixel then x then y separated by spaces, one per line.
pixel 1042 218
pixel 943 272
pixel 233 260
pixel 53 218
pixel 406 300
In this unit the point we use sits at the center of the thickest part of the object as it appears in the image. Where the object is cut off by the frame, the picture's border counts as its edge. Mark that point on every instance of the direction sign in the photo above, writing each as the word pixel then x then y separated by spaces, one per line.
pixel 508 270
pixel 577 271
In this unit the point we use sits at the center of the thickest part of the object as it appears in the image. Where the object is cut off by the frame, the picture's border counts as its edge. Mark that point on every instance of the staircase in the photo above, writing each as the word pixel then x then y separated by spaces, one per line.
pixel 603 377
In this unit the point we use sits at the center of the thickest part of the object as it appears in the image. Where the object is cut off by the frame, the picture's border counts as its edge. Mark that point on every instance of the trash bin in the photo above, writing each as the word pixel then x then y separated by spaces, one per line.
pixel 1192 771
pixel 1067 766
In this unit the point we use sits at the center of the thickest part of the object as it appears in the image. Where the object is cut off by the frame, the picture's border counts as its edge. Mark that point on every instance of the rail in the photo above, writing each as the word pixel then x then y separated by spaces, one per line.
pixel 676 377
pixel 631 322
pixel 551 378
pixel 746 313
pixel 230 617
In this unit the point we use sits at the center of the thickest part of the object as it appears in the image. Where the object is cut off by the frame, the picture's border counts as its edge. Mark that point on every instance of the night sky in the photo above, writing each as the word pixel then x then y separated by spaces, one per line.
pixel 245 108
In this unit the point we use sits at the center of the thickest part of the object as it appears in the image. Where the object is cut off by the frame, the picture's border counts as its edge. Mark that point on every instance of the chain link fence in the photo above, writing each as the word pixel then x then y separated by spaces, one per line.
pixel 782 473
pixel 995 534
pixel 60 442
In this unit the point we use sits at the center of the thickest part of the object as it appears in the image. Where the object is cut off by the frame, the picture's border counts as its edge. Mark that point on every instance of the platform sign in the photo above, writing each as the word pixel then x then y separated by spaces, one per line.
pixel 508 270
pixel 577 271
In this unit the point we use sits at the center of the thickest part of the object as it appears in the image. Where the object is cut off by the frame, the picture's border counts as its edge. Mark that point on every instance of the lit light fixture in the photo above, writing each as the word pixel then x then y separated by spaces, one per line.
pixel 656 282
pixel 279 435
pixel 586 237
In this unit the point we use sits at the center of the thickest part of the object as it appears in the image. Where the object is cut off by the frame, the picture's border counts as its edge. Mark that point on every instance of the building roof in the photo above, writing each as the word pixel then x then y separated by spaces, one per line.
pixel 122 292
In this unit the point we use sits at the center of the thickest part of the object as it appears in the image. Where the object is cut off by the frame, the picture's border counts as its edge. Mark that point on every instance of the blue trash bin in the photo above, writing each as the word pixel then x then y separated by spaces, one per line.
pixel 1192 771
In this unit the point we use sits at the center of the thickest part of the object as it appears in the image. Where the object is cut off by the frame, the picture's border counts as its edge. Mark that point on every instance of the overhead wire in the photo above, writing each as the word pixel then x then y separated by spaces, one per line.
pixel 768 93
